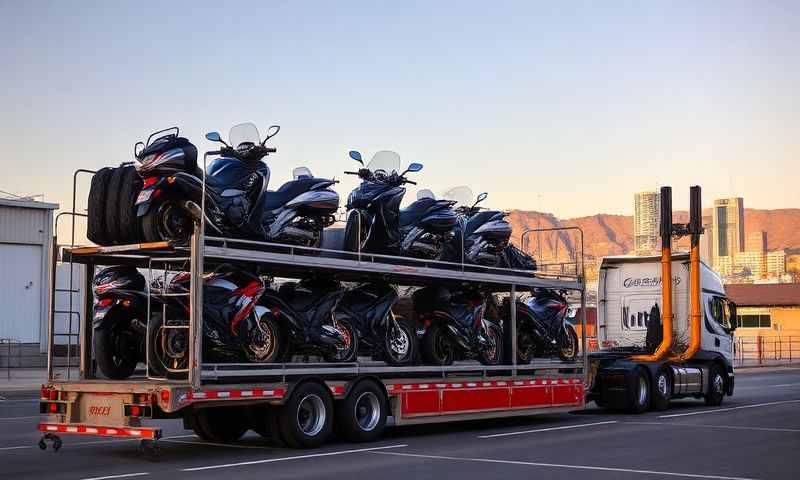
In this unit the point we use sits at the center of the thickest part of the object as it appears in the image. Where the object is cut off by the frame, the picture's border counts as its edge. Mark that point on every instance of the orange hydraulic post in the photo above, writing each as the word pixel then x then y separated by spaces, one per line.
pixel 695 312
pixel 666 280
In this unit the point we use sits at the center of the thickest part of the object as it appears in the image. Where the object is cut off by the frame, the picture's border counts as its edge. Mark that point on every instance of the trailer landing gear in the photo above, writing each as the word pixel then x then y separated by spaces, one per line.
pixel 149 448
pixel 56 441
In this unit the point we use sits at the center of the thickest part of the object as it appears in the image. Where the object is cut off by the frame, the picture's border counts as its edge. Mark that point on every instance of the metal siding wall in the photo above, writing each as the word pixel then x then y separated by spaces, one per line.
pixel 22 225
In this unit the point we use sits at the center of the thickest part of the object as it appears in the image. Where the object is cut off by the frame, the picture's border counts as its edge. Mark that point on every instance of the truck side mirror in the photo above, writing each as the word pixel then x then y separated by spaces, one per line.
pixel 734 319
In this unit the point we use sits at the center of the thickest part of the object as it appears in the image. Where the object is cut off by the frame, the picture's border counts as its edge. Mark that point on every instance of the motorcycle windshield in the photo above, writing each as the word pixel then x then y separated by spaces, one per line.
pixel 462 195
pixel 385 161
pixel 244 133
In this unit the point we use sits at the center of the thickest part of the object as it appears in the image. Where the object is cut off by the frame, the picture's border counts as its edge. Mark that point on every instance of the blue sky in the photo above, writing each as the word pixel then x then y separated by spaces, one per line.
pixel 568 107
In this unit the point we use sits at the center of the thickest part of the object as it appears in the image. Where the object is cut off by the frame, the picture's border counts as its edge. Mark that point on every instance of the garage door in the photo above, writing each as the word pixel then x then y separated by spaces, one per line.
pixel 20 292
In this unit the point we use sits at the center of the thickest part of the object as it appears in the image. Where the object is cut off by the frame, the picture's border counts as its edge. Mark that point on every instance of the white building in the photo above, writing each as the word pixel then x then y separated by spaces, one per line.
pixel 26 236
pixel 646 219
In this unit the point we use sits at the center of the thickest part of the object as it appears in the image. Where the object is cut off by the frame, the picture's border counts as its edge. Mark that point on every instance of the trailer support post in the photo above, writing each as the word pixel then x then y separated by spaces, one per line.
pixel 513 306
pixel 85 334
pixel 196 306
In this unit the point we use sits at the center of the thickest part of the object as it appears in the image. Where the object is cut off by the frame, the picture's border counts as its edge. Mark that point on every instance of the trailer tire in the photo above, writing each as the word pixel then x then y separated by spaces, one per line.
pixel 436 347
pixel 639 391
pixel 661 391
pixel 361 417
pixel 716 386
pixel 96 216
pixel 220 424
pixel 306 420
pixel 113 206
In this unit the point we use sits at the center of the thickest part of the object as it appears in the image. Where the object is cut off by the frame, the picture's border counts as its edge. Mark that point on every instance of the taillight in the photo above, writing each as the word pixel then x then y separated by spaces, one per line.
pixel 104 302
pixel 52 408
pixel 165 396
pixel 149 181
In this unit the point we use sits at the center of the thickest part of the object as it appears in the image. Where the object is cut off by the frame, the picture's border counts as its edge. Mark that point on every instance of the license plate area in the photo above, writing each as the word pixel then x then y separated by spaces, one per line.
pixel 102 409
pixel 144 196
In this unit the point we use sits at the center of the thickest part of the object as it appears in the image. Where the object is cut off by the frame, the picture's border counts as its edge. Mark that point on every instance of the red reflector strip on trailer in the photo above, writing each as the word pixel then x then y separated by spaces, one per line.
pixel 501 383
pixel 148 433
pixel 252 393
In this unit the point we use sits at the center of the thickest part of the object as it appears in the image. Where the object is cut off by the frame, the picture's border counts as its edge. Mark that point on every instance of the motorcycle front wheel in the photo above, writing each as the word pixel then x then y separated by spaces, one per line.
pixel 436 346
pixel 492 354
pixel 355 232
pixel 348 352
pixel 265 345
pixel 166 220
pixel 399 342
pixel 568 345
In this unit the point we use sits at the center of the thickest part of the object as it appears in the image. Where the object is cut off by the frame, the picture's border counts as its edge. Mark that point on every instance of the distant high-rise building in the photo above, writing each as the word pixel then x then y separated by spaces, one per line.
pixel 728 225
pixel 754 263
pixel 646 218
pixel 706 252
pixel 776 263
pixel 756 242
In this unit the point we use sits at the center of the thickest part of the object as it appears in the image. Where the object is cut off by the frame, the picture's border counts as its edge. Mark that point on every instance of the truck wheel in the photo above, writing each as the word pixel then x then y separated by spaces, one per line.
pixel 96 216
pixel 112 208
pixel 361 417
pixel 639 392
pixel 436 347
pixel 306 420
pixel 400 343
pixel 129 190
pixel 116 349
pixel 220 424
pixel 492 355
pixel 662 391
pixel 716 386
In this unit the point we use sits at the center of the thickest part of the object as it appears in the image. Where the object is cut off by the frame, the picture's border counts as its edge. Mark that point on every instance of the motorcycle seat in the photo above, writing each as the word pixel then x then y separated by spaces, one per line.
pixel 288 191
pixel 412 213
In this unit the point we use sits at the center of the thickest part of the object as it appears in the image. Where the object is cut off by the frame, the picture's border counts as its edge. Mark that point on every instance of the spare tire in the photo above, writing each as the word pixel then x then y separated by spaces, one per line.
pixel 96 221
pixel 129 191
pixel 113 197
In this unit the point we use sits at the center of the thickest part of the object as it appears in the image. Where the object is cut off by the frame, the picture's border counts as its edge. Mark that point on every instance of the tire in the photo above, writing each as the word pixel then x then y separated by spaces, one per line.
pixel 436 347
pixel 716 386
pixel 349 353
pixel 399 342
pixel 639 392
pixel 129 191
pixel 351 235
pixel 165 221
pixel 569 351
pixel 96 216
pixel 158 359
pixel 361 417
pixel 524 355
pixel 116 349
pixel 306 419
pixel 493 357
pixel 266 348
pixel 220 424
pixel 112 208
pixel 661 391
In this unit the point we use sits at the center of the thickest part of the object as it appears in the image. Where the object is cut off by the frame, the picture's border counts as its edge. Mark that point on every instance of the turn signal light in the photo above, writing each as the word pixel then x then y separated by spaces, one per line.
pixel 52 408
pixel 165 396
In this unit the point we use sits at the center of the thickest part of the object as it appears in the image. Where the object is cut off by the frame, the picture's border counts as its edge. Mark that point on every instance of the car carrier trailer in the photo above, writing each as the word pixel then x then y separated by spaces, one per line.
pixel 298 404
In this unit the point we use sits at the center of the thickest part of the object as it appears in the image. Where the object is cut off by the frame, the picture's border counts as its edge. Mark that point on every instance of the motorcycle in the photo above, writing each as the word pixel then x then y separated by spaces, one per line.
pixel 542 329
pixel 453 323
pixel 237 201
pixel 381 334
pixel 305 313
pixel 234 327
pixel 481 237
pixel 119 320
pixel 375 222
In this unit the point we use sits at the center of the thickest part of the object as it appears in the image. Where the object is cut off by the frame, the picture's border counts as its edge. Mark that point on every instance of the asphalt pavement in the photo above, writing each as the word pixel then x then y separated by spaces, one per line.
pixel 753 435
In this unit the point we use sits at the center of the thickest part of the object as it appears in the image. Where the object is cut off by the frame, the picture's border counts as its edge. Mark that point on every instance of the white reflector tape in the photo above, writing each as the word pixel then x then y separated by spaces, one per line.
pixel 424 386
pixel 52 428
pixel 268 393
pixel 135 433
pixel 223 394
pixel 91 430
pixel 247 393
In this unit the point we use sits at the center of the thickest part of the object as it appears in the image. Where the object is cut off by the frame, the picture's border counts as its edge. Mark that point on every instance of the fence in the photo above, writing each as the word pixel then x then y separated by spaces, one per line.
pixel 766 350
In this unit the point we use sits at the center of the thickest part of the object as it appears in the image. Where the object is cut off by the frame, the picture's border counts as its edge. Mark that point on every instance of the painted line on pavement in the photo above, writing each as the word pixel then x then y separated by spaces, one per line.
pixel 559 465
pixel 212 444
pixel 786 385
pixel 701 412
pixel 548 429
pixel 729 427
pixel 124 475
pixel 296 457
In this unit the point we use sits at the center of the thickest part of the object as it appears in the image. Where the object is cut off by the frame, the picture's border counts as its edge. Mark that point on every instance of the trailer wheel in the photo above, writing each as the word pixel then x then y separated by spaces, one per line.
pixel 361 417
pixel 96 216
pixel 716 386
pixel 220 424
pixel 662 391
pixel 639 391
pixel 436 347
pixel 306 420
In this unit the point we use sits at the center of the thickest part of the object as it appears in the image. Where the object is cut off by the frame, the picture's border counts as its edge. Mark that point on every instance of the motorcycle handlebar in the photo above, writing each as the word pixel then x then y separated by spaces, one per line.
pixel 351 173
pixel 409 181
pixel 270 149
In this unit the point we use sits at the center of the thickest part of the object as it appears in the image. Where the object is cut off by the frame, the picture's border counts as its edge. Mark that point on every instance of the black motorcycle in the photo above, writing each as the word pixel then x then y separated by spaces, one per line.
pixel 305 313
pixel 119 320
pixel 234 328
pixel 375 222
pixel 237 201
pixel 542 329
pixel 382 334
pixel 453 324
pixel 481 236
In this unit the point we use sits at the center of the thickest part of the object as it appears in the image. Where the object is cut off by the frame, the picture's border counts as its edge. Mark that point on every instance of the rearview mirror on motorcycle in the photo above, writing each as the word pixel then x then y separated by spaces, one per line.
pixel 414 167
pixel 356 156
pixel 214 137
pixel 271 132
pixel 481 197
pixel 137 149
